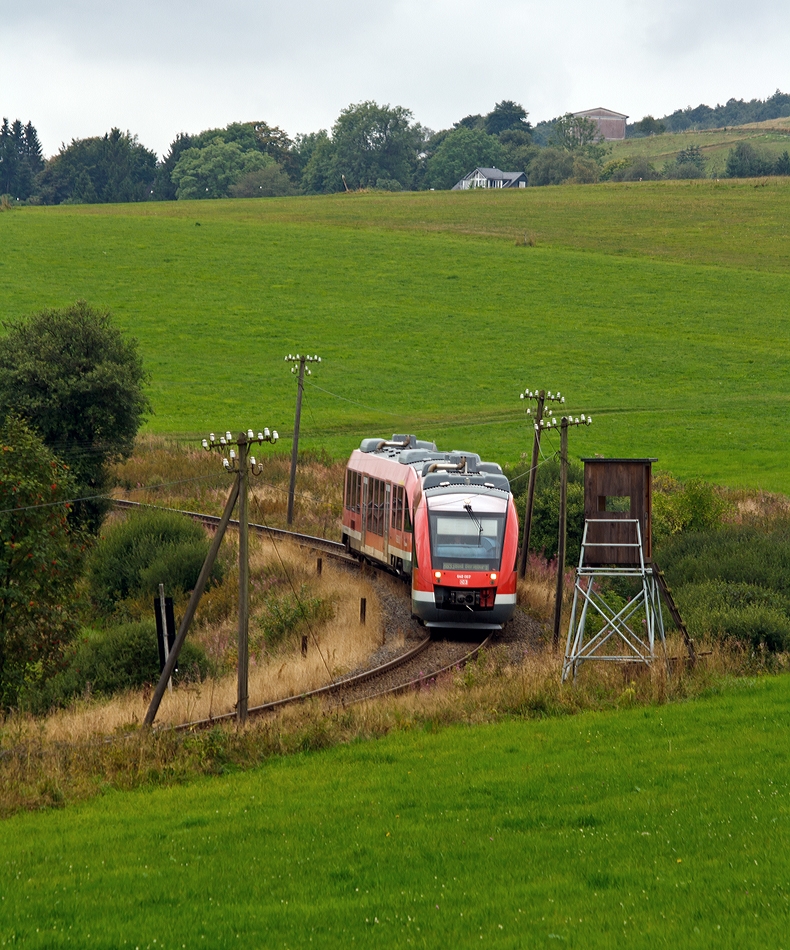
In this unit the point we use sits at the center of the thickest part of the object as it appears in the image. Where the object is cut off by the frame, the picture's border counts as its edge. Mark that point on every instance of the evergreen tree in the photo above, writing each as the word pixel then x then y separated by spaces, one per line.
pixel 20 159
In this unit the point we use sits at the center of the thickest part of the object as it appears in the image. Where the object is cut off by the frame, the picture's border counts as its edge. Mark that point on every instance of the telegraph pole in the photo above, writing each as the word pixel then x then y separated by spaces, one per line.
pixel 298 367
pixel 242 464
pixel 540 398
pixel 565 423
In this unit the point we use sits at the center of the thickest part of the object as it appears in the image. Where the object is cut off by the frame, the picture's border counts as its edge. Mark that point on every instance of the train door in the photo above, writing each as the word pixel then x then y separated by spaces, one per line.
pixel 387 510
pixel 365 509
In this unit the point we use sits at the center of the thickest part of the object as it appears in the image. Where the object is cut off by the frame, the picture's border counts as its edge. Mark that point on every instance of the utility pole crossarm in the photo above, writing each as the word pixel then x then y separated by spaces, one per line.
pixel 300 370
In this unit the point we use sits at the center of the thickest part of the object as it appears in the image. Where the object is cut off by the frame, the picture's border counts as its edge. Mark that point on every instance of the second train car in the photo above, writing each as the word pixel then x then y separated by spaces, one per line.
pixel 444 519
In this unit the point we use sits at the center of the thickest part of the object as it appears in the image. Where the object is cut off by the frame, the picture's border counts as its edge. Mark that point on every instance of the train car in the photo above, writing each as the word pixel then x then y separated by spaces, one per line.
pixel 446 520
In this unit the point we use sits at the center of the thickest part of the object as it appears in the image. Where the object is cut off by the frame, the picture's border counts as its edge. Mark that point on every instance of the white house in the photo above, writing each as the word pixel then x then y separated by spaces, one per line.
pixel 491 178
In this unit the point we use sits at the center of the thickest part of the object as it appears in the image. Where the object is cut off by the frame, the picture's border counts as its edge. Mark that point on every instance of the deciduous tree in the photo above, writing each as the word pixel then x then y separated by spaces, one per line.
pixel 74 377
pixel 40 560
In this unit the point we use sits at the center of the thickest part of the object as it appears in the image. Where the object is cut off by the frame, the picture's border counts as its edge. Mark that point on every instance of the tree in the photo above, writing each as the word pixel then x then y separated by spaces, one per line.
pixel 372 142
pixel 40 559
pixel 744 161
pixel 317 156
pixel 460 152
pixel 649 126
pixel 111 168
pixel 506 115
pixel 551 166
pixel 689 163
pixel 164 186
pixel 210 172
pixel 21 159
pixel 782 165
pixel 269 182
pixel 578 134
pixel 79 382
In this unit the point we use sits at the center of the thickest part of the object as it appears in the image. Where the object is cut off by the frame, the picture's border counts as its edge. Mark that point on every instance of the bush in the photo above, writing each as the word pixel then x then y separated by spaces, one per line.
pixel 544 535
pixel 551 166
pixel 744 161
pixel 109 661
pixel 135 555
pixel 695 506
pixel 269 182
pixel 638 169
pixel 744 612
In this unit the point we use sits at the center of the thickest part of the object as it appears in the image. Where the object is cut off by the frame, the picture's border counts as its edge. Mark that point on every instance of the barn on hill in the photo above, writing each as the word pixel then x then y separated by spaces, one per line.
pixel 610 124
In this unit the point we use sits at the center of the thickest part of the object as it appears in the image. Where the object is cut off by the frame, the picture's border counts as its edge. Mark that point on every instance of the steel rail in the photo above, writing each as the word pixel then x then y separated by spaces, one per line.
pixel 327 690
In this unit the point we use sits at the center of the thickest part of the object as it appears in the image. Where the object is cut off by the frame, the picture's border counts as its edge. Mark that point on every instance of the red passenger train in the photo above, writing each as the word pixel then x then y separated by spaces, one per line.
pixel 446 519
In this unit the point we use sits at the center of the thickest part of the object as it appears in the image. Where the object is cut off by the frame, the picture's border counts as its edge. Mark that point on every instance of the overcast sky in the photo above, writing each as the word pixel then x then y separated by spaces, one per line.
pixel 76 68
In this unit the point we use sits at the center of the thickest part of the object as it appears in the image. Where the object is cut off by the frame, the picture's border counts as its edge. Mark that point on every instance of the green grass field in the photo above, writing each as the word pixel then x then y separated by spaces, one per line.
pixel 661 308
pixel 646 827
pixel 771 138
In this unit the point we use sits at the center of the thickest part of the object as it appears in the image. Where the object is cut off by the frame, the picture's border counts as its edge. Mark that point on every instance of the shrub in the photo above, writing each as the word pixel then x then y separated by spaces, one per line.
pixel 739 611
pixel 544 535
pixel 135 555
pixel 109 661
pixel 695 506
pixel 638 169
pixel 551 166
pixel 744 161
pixel 269 182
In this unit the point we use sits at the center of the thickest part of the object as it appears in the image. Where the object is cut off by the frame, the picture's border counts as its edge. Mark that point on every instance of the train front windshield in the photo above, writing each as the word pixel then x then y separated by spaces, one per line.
pixel 466 540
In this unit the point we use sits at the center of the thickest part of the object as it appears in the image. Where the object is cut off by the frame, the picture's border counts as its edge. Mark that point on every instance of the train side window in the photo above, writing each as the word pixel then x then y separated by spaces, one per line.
pixel 357 492
pixel 397 507
pixel 406 517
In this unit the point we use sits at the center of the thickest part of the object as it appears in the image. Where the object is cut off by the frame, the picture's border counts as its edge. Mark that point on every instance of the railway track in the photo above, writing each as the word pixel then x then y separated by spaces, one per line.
pixel 415 667
pixel 333 548
pixel 411 670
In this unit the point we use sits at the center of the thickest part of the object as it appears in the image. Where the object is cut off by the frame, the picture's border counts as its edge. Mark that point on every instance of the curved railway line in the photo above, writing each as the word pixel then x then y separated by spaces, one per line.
pixel 416 667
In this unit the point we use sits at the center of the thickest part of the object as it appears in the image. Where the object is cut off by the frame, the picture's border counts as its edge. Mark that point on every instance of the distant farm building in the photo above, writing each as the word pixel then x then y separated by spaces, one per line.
pixel 491 178
pixel 610 124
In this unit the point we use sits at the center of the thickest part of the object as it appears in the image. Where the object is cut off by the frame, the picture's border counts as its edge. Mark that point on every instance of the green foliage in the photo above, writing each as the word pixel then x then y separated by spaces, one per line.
pixel 269 182
pixel 633 169
pixel 146 549
pixel 648 126
pixel 111 168
pixel 578 134
pixel 211 171
pixel 551 166
pixel 505 116
pixel 744 161
pixel 21 159
pixel 282 617
pixel 734 610
pixel 79 382
pixel 461 152
pixel 316 156
pixel 372 142
pixel 40 560
pixel 692 506
pixel 734 112
pixel 732 583
pixel 544 535
pixel 104 662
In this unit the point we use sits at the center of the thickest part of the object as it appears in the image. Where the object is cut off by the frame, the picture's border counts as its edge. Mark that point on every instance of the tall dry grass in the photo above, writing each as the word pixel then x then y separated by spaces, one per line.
pixel 43 765
pixel 179 474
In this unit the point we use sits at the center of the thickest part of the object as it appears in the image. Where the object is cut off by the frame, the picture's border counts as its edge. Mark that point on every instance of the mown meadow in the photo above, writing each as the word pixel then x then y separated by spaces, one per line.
pixel 660 308
pixel 661 826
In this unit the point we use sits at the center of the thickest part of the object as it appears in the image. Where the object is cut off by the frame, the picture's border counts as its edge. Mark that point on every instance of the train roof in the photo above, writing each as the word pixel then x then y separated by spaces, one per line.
pixel 438 469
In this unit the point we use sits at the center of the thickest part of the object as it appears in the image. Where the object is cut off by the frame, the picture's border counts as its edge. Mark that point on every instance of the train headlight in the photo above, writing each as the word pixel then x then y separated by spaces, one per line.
pixel 492 575
pixel 437 575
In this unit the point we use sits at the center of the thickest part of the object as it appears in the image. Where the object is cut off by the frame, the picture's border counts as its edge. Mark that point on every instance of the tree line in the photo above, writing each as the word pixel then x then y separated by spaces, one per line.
pixel 369 146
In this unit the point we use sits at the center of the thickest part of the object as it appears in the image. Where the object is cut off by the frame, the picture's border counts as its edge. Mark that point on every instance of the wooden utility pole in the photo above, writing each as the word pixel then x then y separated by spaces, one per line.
pixel 533 470
pixel 541 398
pixel 194 600
pixel 298 367
pixel 562 530
pixel 243 665
pixel 240 466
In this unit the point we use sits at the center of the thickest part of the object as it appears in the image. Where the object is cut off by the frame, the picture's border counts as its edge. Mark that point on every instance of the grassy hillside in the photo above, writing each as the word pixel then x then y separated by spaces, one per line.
pixel 659 307
pixel 771 137
pixel 657 827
